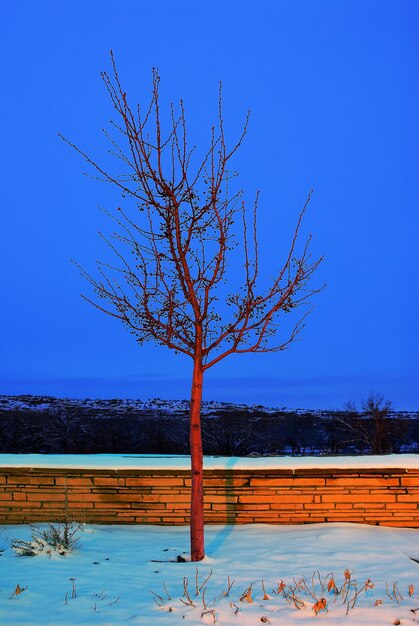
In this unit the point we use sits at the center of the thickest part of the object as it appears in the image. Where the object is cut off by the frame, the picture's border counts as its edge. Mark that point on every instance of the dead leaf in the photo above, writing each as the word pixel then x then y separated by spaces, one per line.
pixel 247 595
pixel 281 586
pixel 18 591
pixel 320 605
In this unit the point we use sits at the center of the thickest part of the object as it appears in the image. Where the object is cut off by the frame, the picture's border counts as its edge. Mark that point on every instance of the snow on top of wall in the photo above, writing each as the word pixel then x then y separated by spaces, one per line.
pixel 182 462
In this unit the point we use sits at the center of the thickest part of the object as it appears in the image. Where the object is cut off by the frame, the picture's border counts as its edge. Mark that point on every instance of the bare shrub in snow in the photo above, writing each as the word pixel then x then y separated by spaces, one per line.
pixel 322 594
pixel 56 538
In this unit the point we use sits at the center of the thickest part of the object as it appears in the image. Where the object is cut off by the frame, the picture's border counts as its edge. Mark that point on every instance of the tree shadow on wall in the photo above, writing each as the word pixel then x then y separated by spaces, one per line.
pixel 222 533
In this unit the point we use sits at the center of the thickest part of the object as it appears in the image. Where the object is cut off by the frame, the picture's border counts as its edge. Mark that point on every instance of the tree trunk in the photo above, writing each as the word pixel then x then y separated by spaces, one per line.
pixel 197 492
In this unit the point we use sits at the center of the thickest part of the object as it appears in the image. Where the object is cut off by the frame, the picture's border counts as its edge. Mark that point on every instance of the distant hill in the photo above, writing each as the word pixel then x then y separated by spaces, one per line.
pixel 63 425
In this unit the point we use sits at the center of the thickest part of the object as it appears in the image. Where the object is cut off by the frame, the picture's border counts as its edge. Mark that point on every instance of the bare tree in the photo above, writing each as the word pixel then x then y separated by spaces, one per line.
pixel 371 427
pixel 172 256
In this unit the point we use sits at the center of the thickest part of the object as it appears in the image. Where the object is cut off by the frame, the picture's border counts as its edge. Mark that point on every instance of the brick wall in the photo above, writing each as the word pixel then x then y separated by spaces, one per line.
pixel 389 497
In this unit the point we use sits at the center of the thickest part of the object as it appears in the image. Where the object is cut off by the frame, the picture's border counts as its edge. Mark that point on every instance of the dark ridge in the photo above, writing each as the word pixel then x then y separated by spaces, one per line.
pixel 45 424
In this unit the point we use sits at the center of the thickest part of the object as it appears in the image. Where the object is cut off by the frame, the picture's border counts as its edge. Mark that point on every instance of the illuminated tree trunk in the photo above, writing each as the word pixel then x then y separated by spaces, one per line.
pixel 195 439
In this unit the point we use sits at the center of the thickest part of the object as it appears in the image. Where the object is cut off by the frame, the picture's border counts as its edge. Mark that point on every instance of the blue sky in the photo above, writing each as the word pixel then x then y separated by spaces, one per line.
pixel 333 89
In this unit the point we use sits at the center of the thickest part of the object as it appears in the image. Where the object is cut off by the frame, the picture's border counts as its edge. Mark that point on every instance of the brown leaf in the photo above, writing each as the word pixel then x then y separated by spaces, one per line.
pixel 320 605
pixel 247 595
pixel 378 602
pixel 247 598
pixel 411 590
pixel 18 591
pixel 281 586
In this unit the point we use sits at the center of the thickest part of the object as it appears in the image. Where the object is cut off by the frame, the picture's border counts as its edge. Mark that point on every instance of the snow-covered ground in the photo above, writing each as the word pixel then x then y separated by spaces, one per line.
pixel 122 405
pixel 115 569
pixel 182 462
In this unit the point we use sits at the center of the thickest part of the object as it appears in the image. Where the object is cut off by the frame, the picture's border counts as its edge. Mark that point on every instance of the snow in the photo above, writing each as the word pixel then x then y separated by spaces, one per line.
pixel 182 462
pixel 118 405
pixel 114 567
pixel 122 405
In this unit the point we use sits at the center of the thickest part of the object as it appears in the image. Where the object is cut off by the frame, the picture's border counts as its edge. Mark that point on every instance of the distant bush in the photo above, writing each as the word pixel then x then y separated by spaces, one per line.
pixel 56 538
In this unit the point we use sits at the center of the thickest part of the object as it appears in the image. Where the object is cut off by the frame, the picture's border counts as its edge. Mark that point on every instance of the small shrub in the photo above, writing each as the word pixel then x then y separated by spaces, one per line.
pixel 56 538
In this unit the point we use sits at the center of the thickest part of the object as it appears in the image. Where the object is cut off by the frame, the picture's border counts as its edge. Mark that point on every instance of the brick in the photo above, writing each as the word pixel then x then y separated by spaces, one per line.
pixel 225 492
pixel 30 480
pixel 60 481
pixel 231 506
pixel 111 505
pixel 273 482
pixel 146 520
pixel 260 520
pixel 313 506
pixel 82 482
pixel 79 497
pixel 101 497
pixel 410 481
pixel 407 505
pixel 383 482
pixel 264 492
pixel 167 491
pixel 148 506
pixel 408 497
pixel 404 524
pixel 6 495
pixel 53 505
pixel 356 498
pixel 108 481
pixel 155 481
pixel 24 504
pixel 273 499
pixel 392 490
pixel 45 496
pixel 220 483
pixel 176 498
pixel 80 505
pixel 134 497
pixel 222 498
pixel 346 491
pixel 277 506
pixel 296 482
pixel 371 506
